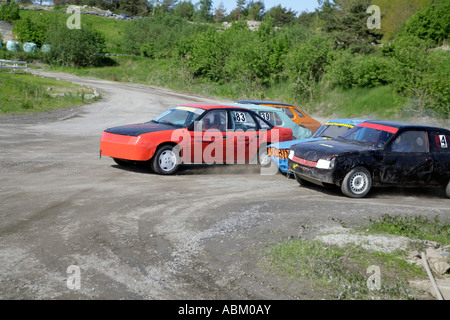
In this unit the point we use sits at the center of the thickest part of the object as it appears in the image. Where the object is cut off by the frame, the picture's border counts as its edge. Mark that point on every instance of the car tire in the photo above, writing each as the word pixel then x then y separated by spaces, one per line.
pixel 166 160
pixel 447 190
pixel 302 182
pixel 357 183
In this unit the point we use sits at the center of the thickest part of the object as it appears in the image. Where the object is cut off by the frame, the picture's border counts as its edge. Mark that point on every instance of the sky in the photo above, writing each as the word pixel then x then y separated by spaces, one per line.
pixel 295 5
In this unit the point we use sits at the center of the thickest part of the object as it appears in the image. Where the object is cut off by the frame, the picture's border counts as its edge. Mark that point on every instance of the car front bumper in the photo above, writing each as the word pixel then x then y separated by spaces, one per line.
pixel 312 174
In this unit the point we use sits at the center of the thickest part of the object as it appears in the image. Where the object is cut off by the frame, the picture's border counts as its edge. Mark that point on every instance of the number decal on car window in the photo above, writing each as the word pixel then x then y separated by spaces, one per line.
pixel 444 144
pixel 240 117
pixel 265 115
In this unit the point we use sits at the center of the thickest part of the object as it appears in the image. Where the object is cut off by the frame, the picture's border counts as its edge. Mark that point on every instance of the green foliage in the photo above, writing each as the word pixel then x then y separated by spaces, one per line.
pixel 162 31
pixel 355 70
pixel 75 47
pixel 422 74
pixel 306 63
pixel 417 227
pixel 347 21
pixel 9 12
pixel 30 31
pixel 432 23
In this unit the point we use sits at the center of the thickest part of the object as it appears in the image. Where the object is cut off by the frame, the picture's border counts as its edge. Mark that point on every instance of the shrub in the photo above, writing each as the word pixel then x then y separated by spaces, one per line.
pixel 75 47
pixel 29 31
pixel 9 12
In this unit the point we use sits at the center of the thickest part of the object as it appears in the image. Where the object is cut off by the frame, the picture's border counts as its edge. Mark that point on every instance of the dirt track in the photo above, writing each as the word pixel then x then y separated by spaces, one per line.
pixel 134 235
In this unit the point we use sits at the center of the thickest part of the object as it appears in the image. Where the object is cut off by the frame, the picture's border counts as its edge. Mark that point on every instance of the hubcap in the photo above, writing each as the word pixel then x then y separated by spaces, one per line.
pixel 167 160
pixel 358 183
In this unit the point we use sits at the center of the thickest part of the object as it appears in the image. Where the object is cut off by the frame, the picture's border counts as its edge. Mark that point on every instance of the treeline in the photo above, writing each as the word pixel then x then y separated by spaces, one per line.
pixel 310 54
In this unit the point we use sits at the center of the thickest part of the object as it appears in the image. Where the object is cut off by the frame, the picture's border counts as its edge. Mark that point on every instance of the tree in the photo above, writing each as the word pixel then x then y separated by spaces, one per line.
pixel 281 16
pixel 219 13
pixel 184 9
pixel 204 11
pixel 347 21
pixel 256 10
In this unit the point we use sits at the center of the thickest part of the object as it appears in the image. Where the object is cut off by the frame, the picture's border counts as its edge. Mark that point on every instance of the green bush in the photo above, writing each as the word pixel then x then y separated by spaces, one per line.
pixel 9 12
pixel 432 23
pixel 306 63
pixel 354 70
pixel 29 31
pixel 75 47
pixel 421 73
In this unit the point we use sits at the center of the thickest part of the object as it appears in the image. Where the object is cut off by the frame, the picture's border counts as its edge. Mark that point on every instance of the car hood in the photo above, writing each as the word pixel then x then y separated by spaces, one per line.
pixel 325 149
pixel 140 128
pixel 288 144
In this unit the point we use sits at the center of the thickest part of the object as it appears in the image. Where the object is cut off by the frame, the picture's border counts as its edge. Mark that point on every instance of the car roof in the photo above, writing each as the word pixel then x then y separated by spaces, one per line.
pixel 400 125
pixel 210 106
pixel 256 107
pixel 259 102
pixel 352 122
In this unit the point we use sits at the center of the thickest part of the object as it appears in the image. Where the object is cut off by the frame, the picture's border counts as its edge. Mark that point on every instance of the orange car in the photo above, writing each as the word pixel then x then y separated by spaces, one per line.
pixel 299 117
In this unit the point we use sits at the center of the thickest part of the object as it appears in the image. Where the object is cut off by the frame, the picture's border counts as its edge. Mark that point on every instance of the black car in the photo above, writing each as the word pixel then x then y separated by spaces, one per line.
pixel 376 153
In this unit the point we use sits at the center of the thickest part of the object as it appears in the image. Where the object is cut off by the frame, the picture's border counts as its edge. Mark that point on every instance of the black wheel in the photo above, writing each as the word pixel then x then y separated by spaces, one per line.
pixel 301 181
pixel 166 160
pixel 357 183
pixel 447 190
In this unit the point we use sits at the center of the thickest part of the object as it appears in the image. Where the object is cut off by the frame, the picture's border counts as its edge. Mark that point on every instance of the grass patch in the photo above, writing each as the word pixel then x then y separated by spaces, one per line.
pixel 417 227
pixel 26 93
pixel 379 102
pixel 111 29
pixel 342 272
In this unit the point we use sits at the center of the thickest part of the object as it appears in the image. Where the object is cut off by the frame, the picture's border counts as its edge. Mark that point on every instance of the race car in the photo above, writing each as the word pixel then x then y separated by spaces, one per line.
pixel 376 153
pixel 278 152
pixel 278 118
pixel 194 133
pixel 297 116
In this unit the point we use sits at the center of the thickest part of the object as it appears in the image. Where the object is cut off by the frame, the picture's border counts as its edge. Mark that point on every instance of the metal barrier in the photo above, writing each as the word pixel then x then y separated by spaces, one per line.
pixel 15 65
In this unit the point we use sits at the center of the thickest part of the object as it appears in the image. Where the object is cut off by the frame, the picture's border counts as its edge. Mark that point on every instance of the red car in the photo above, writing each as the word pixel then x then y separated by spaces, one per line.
pixel 193 133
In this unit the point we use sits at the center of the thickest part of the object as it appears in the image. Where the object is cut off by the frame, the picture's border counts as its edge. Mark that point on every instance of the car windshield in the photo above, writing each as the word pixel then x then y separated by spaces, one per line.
pixel 179 116
pixel 332 130
pixel 369 137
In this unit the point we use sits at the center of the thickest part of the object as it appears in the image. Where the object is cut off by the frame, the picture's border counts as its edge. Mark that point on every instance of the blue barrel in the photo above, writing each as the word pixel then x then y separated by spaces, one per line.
pixel 12 46
pixel 29 47
pixel 0 44
pixel 46 48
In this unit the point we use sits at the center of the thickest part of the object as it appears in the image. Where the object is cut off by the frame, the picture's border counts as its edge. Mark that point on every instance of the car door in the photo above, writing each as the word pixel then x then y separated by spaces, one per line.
pixel 407 160
pixel 242 137
pixel 208 138
pixel 440 152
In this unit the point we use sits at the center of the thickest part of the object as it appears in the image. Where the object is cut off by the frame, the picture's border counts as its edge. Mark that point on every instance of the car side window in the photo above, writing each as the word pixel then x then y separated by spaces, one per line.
pixel 287 111
pixel 214 120
pixel 439 142
pixel 278 120
pixel 410 141
pixel 301 115
pixel 242 120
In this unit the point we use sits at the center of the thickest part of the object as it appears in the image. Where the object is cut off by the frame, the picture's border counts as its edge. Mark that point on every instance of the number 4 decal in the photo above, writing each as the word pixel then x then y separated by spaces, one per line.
pixel 444 143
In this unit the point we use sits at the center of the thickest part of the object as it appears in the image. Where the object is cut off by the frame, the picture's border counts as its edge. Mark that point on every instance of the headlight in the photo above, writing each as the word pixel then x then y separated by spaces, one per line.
pixel 325 164
pixel 291 154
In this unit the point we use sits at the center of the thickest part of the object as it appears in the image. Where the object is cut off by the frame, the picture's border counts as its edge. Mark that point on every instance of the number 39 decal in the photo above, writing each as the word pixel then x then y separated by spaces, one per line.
pixel 265 115
pixel 240 116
